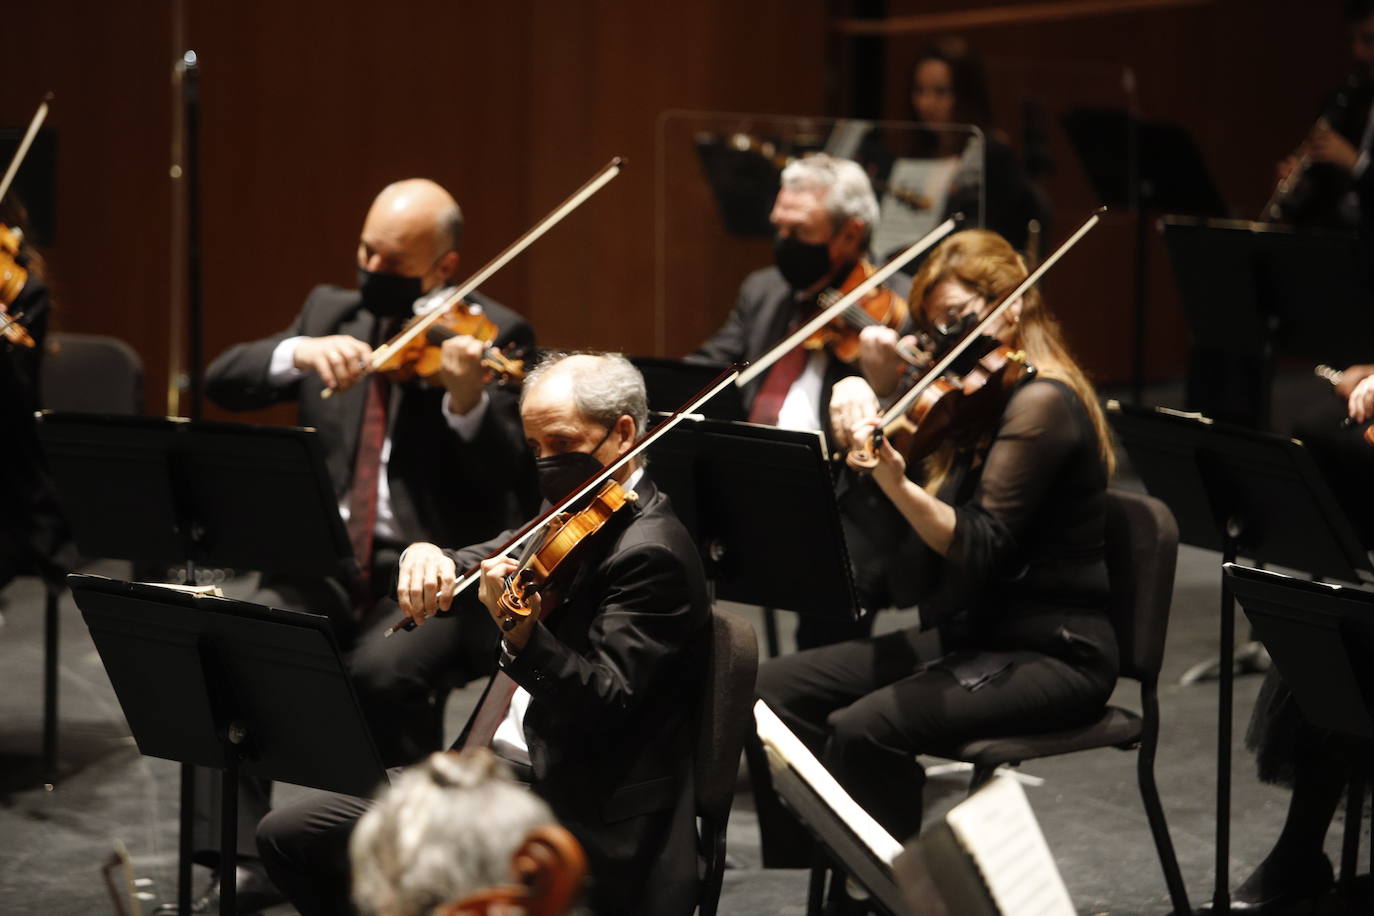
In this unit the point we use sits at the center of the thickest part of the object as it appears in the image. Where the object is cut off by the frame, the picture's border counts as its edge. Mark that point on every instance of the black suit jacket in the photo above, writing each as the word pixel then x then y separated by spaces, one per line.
pixel 758 322
pixel 615 674
pixel 442 488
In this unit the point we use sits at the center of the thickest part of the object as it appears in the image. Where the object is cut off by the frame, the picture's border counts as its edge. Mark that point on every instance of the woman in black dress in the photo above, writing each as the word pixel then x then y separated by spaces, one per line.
pixel 1013 571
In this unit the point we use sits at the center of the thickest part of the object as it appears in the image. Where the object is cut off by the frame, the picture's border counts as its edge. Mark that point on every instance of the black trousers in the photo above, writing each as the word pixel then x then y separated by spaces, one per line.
pixel 867 707
pixel 305 848
pixel 401 683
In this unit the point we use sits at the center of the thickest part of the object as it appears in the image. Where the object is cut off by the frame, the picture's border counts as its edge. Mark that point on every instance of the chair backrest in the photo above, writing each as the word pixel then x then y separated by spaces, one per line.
pixel 1142 551
pixel 91 374
pixel 726 712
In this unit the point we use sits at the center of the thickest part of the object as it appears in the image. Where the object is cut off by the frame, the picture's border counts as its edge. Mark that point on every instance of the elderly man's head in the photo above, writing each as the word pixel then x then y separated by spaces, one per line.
pixel 581 412
pixel 444 829
pixel 823 215
pixel 409 244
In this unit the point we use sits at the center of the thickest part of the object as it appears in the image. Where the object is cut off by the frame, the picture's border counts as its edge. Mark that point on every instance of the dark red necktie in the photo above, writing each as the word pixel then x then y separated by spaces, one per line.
pixel 367 469
pixel 780 378
pixel 493 710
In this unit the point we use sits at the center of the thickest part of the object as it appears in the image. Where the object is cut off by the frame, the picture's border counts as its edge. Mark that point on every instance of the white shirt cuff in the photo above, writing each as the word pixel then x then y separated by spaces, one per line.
pixel 466 425
pixel 281 370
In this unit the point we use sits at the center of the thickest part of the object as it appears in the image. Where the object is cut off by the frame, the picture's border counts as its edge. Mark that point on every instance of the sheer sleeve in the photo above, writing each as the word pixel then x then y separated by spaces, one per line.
pixel 1039 430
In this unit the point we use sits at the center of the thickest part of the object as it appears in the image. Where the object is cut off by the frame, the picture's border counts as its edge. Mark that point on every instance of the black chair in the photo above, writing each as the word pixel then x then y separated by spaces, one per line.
pixel 1142 549
pixel 89 374
pixel 726 715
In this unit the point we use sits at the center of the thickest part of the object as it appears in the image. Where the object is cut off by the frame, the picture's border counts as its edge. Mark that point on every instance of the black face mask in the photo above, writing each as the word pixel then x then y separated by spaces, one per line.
pixel 388 295
pixel 802 264
pixel 559 474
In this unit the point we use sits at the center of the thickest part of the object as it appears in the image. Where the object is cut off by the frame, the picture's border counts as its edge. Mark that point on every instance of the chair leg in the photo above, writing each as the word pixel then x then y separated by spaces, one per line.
pixel 713 853
pixel 1154 809
pixel 770 632
pixel 1350 841
pixel 50 662
pixel 981 774
pixel 815 892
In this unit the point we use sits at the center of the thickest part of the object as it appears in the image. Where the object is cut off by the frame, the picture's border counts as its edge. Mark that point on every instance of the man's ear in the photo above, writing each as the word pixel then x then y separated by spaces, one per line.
pixel 625 426
pixel 850 237
pixel 448 265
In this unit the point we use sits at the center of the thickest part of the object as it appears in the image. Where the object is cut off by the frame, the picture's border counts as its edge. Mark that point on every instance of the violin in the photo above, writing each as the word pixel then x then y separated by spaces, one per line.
pixel 538 525
pixel 959 405
pixel 549 868
pixel 420 356
pixel 858 293
pixel 454 303
pixel 13 276
pixel 563 535
pixel 877 306
pixel 967 388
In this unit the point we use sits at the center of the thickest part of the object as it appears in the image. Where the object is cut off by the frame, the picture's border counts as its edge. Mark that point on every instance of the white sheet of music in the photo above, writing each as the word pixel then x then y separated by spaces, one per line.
pixel 997 828
pixel 778 739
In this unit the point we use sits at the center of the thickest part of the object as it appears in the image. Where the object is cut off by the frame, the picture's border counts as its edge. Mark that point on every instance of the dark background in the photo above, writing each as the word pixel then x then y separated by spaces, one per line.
pixel 311 106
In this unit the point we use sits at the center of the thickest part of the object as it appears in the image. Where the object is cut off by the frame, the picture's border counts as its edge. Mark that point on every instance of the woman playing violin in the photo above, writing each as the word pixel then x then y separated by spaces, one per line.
pixel 1011 569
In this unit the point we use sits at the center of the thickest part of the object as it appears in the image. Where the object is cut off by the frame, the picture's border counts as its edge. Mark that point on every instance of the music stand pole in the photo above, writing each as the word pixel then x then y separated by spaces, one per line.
pixel 1221 896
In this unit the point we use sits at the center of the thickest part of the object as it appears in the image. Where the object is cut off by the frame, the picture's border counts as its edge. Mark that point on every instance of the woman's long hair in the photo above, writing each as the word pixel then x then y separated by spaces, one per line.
pixel 988 265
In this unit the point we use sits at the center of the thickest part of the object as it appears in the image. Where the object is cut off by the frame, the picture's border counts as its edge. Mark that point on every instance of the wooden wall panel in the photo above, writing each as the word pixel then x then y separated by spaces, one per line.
pixel 1245 77
pixel 311 106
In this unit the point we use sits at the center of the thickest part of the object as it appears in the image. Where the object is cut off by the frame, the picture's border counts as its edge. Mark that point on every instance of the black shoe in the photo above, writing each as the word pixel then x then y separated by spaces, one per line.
pixel 253 892
pixel 1274 886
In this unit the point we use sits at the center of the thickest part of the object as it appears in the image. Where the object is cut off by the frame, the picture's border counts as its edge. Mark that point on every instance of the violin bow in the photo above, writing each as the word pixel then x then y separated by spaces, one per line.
pixel 598 181
pixel 19 154
pixel 902 404
pixel 760 365
pixel 537 524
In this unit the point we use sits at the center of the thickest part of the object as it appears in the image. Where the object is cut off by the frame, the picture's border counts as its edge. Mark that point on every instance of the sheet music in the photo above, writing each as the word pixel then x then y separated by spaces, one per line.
pixel 998 830
pixel 778 739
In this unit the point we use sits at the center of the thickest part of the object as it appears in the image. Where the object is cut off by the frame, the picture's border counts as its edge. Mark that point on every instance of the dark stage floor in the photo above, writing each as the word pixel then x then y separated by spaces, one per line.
pixel 53 842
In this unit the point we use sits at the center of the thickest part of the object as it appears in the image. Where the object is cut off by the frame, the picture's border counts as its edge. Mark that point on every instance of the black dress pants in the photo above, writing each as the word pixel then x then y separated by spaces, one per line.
pixel 867 707
pixel 304 846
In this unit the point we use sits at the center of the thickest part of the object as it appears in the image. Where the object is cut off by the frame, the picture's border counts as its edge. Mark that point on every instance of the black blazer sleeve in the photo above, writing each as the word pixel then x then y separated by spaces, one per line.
pixel 237 379
pixel 645 617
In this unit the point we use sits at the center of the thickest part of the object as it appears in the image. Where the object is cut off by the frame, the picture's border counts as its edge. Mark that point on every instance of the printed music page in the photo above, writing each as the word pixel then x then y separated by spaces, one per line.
pixel 998 830
pixel 778 739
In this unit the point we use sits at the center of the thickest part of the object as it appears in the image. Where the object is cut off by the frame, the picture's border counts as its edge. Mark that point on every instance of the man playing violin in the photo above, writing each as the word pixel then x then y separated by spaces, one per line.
pixel 409 461
pixel 824 216
pixel 601 680
pixel 1012 570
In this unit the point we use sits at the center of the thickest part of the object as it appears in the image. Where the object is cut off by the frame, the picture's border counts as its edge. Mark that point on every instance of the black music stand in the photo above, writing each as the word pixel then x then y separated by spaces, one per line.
pixel 234 686
pixel 1144 166
pixel 670 383
pixel 846 833
pixel 1321 638
pixel 1239 491
pixel 1252 292
pixel 760 503
pixel 170 491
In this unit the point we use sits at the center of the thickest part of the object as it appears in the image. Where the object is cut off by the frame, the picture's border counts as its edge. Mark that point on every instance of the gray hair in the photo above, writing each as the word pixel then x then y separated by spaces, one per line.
pixel 848 192
pixel 604 392
pixel 445 828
